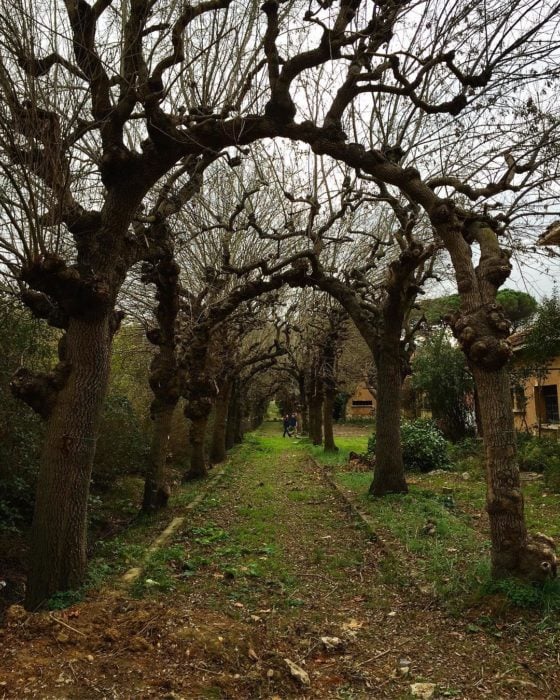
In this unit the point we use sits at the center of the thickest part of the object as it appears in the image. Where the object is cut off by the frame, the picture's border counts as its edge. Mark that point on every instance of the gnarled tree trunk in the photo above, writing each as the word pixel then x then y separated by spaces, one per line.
pixel 316 419
pixel 232 414
pixel 219 429
pixel 389 468
pixel 164 376
pixel 198 468
pixel 328 407
pixel 304 404
pixel 156 489
pixel 58 538
pixel 482 331
pixel 329 388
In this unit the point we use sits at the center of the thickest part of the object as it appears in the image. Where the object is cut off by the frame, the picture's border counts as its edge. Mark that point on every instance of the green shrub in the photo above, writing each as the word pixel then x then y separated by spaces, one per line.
pixel 424 447
pixel 122 445
pixel 465 449
pixel 23 338
pixel 552 474
pixel 536 454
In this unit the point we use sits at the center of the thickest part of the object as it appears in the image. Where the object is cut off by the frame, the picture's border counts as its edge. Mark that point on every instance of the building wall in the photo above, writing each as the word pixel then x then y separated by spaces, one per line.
pixel 540 396
pixel 361 404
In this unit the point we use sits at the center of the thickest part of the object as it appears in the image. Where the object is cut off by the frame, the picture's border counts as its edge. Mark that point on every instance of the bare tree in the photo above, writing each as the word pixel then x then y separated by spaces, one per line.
pixel 102 104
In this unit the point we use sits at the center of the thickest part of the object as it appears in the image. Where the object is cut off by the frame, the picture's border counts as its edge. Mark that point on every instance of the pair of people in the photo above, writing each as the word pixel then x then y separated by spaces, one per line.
pixel 290 425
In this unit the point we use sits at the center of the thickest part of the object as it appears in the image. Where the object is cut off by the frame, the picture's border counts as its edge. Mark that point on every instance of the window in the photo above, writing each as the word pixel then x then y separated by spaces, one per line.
pixel 549 403
pixel 361 403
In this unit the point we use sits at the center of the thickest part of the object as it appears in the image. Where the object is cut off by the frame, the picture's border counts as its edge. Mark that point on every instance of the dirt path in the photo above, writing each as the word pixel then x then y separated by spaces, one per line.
pixel 266 568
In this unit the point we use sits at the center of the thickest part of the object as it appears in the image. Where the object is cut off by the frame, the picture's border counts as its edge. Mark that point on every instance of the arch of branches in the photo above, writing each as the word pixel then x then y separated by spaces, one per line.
pixel 113 112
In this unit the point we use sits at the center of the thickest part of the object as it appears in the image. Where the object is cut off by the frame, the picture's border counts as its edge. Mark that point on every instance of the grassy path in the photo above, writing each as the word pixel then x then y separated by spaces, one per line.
pixel 265 568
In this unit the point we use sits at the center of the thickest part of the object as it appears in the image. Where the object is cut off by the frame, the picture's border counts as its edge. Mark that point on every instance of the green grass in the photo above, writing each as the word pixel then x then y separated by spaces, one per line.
pixel 453 562
pixel 345 445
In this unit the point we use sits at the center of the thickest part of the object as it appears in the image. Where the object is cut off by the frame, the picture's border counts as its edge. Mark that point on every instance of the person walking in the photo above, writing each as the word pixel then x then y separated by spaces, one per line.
pixel 293 424
pixel 286 426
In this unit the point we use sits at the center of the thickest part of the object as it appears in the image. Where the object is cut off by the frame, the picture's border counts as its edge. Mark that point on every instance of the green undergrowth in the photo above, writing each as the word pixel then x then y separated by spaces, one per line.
pixel 240 551
pixel 440 550
pixel 243 557
pixel 113 556
pixel 345 445
pixel 442 545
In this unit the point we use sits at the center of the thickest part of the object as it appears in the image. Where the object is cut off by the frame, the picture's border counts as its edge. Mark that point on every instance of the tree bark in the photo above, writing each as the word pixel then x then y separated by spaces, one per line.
pixel 58 534
pixel 238 424
pixel 389 468
pixel 304 404
pixel 316 420
pixel 156 490
pixel 218 445
pixel 482 332
pixel 328 407
pixel 198 468
pixel 233 411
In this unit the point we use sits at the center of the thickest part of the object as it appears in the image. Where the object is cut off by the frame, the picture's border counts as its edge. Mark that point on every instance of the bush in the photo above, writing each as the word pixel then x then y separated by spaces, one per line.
pixel 424 447
pixel 21 431
pixel 536 454
pixel 552 474
pixel 122 445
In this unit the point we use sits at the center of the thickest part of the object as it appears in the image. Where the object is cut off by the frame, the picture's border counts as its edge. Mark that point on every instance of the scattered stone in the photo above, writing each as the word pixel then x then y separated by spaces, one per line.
pixel 403 667
pixel 89 657
pixel 270 673
pixel 392 613
pixel 332 643
pixel 298 673
pixel 424 691
pixel 465 476
pixel 429 528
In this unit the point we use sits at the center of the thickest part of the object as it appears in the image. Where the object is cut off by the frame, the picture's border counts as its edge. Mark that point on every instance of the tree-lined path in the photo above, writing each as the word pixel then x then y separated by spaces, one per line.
pixel 269 567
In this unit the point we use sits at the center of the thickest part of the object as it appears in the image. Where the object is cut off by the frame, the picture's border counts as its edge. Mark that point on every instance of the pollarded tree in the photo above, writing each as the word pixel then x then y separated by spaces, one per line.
pixel 249 343
pixel 98 109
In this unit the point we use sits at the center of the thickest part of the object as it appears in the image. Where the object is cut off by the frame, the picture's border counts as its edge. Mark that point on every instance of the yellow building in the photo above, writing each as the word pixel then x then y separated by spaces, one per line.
pixel 536 398
pixel 362 402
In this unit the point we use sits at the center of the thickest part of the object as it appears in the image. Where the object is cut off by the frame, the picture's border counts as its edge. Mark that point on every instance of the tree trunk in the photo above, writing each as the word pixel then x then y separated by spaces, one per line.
pixel 198 468
pixel 504 498
pixel 389 468
pixel 218 446
pixel 328 407
pixel 156 490
pixel 477 416
pixel 58 534
pixel 304 404
pixel 233 410
pixel 316 419
pixel 482 332
pixel 238 421
pixel 305 419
